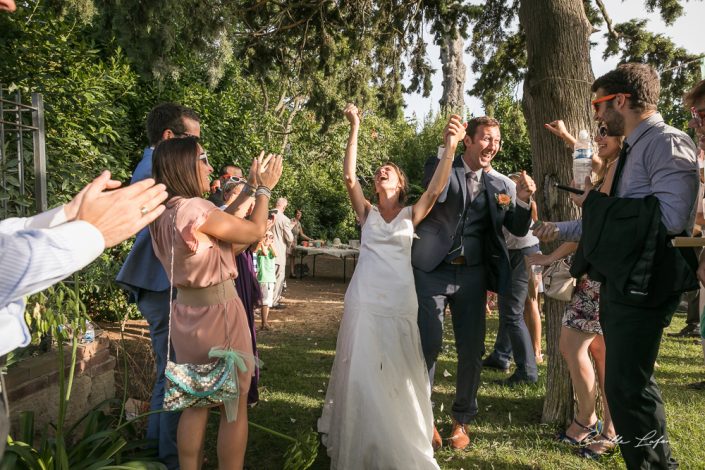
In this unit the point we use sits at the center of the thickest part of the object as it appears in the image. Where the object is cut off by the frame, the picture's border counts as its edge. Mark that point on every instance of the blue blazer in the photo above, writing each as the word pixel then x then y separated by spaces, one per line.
pixel 142 269
pixel 435 233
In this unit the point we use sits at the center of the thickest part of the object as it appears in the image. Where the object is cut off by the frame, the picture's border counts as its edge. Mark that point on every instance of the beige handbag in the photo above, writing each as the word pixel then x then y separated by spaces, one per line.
pixel 557 281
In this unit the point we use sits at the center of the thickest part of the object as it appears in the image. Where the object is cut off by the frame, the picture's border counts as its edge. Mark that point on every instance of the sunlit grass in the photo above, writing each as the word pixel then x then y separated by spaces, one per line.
pixel 507 434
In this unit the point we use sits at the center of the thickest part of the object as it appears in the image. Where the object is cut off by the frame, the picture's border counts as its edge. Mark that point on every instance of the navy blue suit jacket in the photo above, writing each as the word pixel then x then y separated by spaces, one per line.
pixel 435 233
pixel 142 269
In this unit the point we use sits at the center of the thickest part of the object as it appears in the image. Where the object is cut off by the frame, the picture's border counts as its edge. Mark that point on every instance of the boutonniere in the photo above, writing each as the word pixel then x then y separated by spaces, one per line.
pixel 503 200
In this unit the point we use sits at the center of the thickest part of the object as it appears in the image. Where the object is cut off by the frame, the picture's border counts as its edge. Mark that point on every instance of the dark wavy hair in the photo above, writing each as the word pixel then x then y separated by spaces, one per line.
pixel 640 81
pixel 175 164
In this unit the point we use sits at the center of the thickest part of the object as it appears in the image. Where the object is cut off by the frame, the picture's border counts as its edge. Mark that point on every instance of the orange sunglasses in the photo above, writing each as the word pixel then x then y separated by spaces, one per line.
pixel 602 99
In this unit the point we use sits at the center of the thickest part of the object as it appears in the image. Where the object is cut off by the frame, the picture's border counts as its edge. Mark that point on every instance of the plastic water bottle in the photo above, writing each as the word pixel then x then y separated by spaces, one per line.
pixel 89 335
pixel 582 159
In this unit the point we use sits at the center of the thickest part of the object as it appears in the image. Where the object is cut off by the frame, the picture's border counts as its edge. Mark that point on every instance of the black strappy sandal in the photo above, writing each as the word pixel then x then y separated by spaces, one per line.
pixel 592 431
pixel 610 446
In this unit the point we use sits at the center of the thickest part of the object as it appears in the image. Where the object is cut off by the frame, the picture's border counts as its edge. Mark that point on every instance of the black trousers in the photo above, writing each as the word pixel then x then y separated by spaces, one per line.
pixel 632 339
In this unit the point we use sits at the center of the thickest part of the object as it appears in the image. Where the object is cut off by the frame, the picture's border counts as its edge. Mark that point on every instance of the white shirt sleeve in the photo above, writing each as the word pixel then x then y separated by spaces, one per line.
pixel 48 219
pixel 32 259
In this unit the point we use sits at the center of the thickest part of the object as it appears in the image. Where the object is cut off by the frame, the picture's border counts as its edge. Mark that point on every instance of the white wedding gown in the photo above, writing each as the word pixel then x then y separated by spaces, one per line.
pixel 377 413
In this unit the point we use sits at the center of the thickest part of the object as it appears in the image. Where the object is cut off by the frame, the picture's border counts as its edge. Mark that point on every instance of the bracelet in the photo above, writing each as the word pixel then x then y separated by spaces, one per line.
pixel 249 190
pixel 263 191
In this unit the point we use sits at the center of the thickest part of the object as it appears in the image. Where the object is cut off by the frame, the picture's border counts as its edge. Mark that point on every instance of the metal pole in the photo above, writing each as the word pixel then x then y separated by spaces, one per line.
pixel 3 165
pixel 20 153
pixel 40 153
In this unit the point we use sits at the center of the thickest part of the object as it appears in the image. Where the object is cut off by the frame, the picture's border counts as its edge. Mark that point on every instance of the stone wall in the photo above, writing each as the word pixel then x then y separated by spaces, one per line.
pixel 33 384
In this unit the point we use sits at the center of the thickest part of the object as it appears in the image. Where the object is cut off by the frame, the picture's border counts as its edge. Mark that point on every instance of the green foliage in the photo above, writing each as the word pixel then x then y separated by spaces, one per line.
pixel 98 440
pixel 515 154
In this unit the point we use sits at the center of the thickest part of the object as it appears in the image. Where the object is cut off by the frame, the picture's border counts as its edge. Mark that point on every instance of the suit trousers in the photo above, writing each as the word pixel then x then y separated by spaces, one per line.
pixel 154 307
pixel 280 282
pixel 513 336
pixel 464 289
pixel 632 338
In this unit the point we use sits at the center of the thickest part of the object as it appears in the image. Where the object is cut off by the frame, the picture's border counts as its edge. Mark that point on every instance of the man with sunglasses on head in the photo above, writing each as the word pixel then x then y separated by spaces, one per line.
pixel 459 254
pixel 226 173
pixel 143 276
pixel 657 161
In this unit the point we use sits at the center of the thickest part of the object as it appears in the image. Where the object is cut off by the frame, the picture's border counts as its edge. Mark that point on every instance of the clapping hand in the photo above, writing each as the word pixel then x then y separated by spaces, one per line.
pixel 121 213
pixel 269 169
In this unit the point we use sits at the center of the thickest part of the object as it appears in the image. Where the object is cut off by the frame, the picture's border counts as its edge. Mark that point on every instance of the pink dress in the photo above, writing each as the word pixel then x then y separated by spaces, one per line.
pixel 200 263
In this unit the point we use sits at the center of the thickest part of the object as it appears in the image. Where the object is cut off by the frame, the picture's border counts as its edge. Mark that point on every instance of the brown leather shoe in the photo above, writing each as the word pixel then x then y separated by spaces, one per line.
pixel 459 438
pixel 436 441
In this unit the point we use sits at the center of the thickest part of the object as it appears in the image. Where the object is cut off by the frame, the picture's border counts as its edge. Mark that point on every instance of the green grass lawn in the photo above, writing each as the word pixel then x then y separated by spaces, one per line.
pixel 506 435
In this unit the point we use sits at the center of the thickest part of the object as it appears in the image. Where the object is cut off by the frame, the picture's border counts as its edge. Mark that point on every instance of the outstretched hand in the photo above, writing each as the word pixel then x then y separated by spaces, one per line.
pixel 121 213
pixel 352 114
pixel 558 129
pixel 546 231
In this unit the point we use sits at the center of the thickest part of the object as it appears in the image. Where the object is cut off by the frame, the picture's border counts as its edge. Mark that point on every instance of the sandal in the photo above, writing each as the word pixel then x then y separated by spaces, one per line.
pixel 592 431
pixel 609 447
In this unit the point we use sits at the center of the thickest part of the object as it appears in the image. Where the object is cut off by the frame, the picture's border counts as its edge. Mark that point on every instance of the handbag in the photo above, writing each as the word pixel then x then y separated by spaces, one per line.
pixel 201 385
pixel 557 281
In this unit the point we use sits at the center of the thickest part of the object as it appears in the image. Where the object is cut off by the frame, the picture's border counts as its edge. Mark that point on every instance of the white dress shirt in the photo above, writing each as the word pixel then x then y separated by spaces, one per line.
pixel 36 252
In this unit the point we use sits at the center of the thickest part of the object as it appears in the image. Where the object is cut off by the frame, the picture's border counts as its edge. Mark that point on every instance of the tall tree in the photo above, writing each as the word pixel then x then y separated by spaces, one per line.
pixel 556 86
pixel 452 49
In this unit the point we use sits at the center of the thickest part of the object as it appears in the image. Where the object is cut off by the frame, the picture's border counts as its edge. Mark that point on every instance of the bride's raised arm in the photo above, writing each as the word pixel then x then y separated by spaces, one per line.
pixel 453 133
pixel 360 205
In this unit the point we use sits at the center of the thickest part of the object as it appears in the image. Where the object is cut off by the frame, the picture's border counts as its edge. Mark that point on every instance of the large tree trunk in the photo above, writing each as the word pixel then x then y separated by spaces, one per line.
pixel 452 48
pixel 557 86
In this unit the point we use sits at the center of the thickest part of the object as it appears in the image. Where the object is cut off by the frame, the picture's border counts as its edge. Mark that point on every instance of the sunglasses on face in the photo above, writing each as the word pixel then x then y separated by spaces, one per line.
pixel 602 132
pixel 605 98
pixel 699 116
pixel 204 158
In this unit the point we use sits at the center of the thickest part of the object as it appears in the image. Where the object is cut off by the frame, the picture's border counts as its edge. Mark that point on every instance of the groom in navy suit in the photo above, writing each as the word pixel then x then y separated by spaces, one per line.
pixel 459 254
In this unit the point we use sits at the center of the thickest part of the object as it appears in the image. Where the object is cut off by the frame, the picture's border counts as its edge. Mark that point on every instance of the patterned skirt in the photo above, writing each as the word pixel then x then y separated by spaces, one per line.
pixel 583 311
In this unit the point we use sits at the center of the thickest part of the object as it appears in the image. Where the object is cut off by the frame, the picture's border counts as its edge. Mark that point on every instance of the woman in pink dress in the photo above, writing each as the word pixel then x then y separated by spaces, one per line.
pixel 197 244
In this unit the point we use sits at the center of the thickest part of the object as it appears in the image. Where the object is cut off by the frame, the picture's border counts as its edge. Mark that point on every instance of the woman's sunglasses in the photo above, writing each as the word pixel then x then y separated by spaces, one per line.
pixel 204 158
pixel 602 131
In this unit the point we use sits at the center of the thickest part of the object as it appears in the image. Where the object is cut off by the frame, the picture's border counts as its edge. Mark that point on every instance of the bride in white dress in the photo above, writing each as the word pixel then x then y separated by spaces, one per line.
pixel 377 413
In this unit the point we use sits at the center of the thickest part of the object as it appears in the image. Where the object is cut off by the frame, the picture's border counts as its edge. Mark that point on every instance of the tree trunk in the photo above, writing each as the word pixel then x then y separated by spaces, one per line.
pixel 452 48
pixel 557 86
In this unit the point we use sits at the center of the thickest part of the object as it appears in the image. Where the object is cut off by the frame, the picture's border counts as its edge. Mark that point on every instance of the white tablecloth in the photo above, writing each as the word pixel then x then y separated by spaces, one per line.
pixel 324 250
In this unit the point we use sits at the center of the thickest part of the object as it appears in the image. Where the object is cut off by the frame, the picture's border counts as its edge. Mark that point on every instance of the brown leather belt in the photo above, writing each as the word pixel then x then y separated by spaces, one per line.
pixel 204 296
pixel 458 260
